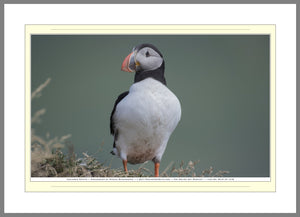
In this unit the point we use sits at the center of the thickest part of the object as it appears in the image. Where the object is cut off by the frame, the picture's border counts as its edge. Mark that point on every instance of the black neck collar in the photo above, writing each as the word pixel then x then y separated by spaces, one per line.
pixel 157 74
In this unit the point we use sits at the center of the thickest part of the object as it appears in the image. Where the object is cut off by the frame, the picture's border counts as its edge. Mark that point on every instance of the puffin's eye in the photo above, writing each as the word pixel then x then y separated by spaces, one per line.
pixel 147 54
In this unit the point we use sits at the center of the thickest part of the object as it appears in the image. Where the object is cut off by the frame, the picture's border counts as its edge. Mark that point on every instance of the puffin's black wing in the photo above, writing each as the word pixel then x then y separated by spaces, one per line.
pixel 112 124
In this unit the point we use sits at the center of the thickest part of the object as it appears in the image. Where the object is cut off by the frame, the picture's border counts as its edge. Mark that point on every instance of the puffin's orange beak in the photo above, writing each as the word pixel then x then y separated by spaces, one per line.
pixel 128 64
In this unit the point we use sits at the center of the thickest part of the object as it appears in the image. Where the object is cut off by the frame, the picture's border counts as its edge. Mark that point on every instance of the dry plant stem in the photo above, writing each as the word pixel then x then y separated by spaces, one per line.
pixel 164 173
pixel 37 93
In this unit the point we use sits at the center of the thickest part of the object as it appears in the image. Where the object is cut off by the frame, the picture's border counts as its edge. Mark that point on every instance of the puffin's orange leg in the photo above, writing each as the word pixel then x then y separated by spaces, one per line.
pixel 156 169
pixel 125 165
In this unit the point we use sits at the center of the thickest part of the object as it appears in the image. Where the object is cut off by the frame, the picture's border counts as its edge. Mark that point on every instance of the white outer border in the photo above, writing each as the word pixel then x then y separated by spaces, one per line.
pixel 16 16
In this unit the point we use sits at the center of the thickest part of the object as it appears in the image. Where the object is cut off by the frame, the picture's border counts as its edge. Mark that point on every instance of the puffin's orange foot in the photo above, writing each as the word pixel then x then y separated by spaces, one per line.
pixel 125 165
pixel 156 170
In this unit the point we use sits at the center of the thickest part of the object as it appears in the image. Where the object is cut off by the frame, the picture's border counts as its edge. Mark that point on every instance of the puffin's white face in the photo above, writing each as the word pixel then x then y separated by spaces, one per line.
pixel 148 59
pixel 142 60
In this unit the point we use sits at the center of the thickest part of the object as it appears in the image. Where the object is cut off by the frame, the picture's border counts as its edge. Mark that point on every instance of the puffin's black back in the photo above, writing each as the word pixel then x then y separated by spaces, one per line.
pixel 112 124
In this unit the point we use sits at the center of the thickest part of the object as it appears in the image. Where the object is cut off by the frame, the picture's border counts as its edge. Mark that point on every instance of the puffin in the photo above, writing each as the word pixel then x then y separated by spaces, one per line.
pixel 143 118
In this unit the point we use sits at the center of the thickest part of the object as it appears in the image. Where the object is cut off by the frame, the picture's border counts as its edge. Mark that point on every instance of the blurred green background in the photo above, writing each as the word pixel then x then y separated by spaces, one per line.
pixel 222 82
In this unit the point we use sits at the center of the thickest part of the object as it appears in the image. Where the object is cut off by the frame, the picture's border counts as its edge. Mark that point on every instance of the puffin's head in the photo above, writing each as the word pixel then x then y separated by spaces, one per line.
pixel 144 57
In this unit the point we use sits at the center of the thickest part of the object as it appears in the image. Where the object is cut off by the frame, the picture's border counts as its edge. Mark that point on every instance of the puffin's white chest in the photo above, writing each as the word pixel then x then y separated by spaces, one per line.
pixel 145 119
